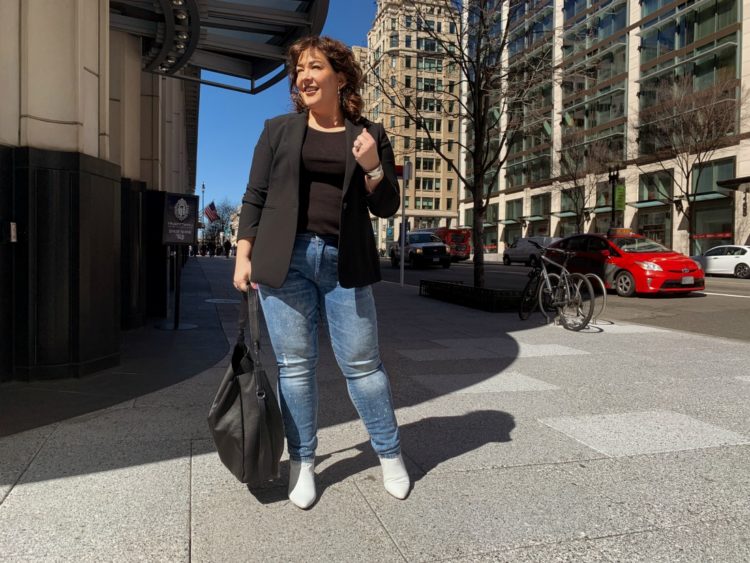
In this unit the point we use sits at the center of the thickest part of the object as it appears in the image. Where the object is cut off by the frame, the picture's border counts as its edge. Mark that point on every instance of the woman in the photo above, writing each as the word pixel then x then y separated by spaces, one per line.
pixel 306 239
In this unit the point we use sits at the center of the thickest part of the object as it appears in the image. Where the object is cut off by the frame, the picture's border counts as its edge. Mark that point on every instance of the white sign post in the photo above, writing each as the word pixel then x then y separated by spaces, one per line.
pixel 402 236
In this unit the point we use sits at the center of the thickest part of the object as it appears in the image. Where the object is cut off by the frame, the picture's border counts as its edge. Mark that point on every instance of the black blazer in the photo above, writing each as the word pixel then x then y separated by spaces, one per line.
pixel 271 202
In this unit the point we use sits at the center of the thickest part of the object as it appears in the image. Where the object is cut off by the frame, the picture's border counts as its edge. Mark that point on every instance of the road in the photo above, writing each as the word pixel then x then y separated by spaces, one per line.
pixel 722 310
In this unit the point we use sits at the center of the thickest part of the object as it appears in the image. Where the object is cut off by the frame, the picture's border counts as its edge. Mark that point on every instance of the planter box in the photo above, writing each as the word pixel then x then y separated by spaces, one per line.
pixel 492 300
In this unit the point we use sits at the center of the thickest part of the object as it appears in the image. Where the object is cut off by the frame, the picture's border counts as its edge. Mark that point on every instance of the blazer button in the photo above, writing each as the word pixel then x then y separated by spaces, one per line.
pixel 344 206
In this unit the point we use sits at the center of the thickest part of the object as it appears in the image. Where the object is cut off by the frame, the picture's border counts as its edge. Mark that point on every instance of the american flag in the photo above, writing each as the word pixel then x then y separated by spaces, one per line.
pixel 211 213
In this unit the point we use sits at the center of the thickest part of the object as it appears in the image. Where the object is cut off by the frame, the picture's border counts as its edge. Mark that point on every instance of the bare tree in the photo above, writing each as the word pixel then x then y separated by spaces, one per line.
pixel 491 95
pixel 583 167
pixel 682 127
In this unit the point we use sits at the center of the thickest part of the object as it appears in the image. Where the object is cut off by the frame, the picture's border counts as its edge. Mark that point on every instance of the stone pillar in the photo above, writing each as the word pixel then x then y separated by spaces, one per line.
pixel 66 197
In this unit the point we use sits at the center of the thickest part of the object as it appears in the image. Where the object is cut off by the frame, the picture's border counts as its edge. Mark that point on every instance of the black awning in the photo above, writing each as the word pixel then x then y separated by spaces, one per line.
pixel 243 38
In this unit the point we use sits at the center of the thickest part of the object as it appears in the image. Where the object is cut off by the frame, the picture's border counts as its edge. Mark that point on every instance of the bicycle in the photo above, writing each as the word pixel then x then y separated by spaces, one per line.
pixel 569 295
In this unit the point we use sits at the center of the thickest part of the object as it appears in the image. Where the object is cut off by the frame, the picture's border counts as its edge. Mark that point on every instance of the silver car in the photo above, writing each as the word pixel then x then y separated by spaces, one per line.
pixel 523 251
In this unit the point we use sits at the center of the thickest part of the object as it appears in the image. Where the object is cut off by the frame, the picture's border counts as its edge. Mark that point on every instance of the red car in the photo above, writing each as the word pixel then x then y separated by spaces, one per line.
pixel 631 263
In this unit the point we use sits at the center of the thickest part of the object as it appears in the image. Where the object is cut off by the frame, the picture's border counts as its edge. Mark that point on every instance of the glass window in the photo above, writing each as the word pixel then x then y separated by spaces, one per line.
pixel 655 186
pixel 704 180
pixel 726 13
pixel 514 208
pixel 720 251
pixel 540 204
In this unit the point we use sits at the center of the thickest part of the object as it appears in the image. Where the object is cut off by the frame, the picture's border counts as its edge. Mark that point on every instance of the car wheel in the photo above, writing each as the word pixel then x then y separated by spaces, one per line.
pixel 742 271
pixel 446 265
pixel 625 284
pixel 506 260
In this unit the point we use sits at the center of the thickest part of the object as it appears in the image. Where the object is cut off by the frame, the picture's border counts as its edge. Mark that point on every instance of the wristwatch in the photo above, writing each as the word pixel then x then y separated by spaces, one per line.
pixel 376 173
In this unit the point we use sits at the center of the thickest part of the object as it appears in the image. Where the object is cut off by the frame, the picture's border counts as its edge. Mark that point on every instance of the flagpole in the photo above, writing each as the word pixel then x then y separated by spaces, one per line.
pixel 203 213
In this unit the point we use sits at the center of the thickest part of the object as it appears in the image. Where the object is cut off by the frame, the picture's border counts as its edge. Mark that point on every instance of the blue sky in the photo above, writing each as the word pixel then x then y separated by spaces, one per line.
pixel 230 122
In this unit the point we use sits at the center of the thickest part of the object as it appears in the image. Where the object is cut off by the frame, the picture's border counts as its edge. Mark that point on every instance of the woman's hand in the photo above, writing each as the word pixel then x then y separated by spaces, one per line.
pixel 365 151
pixel 242 265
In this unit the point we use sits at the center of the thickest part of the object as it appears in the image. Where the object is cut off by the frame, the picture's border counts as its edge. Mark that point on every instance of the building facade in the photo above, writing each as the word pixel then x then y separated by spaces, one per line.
pixel 610 58
pixel 407 79
pixel 98 120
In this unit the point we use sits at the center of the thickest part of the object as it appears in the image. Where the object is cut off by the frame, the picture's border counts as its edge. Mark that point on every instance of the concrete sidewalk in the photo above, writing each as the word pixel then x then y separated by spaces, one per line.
pixel 525 443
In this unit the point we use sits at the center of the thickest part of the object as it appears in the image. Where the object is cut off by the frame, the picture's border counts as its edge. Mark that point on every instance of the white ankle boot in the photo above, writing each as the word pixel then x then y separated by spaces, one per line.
pixel 302 483
pixel 395 477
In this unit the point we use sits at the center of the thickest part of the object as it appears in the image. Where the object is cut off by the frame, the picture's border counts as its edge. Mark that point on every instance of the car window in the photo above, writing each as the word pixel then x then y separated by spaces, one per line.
pixel 735 251
pixel 577 244
pixel 597 244
pixel 633 244
pixel 719 251
pixel 417 238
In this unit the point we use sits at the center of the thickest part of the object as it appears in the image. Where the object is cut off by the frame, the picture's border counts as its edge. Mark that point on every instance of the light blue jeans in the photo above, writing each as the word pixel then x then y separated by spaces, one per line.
pixel 292 312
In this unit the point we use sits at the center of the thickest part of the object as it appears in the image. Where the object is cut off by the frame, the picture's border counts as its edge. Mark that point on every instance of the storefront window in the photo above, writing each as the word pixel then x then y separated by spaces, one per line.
pixel 489 238
pixel 656 225
pixel 539 228
pixel 511 233
pixel 602 223
pixel 567 227
pixel 713 226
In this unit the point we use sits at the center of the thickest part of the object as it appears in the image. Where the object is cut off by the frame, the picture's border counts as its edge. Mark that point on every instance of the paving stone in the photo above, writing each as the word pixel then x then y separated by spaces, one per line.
pixel 724 541
pixel 476 348
pixel 637 433
pixel 16 453
pixel 675 488
pixel 504 382
pixel 231 524
pixel 457 515
pixel 117 505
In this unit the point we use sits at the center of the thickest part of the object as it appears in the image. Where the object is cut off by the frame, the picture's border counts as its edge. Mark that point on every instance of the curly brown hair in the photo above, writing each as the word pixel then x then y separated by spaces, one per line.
pixel 342 60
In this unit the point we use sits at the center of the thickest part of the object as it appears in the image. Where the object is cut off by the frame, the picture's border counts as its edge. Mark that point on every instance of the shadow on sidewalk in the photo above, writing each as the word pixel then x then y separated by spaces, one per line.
pixel 426 443
pixel 151 359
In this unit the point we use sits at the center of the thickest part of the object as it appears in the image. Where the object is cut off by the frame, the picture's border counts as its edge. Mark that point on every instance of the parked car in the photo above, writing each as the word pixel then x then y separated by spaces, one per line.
pixel 458 240
pixel 631 263
pixel 729 259
pixel 522 250
pixel 421 249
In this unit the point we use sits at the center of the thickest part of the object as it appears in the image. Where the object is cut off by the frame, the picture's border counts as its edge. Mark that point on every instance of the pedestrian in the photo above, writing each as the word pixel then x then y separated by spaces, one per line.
pixel 305 241
pixel 227 247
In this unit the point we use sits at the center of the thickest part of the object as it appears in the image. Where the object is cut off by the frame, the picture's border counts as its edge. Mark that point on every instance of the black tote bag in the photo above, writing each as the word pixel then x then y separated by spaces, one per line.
pixel 244 418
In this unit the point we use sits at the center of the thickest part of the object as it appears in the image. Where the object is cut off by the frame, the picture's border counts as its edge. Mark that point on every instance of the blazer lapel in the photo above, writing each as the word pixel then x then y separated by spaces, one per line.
pixel 352 131
pixel 294 138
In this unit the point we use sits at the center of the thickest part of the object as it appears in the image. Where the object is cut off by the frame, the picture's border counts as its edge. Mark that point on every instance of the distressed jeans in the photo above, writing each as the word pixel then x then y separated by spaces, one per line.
pixel 292 313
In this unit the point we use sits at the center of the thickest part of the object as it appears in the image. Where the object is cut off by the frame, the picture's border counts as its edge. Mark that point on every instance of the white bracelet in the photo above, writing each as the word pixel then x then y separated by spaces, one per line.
pixel 376 173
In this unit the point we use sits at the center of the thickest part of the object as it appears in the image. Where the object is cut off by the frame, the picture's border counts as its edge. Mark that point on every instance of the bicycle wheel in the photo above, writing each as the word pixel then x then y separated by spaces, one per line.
pixel 576 311
pixel 547 295
pixel 601 301
pixel 529 298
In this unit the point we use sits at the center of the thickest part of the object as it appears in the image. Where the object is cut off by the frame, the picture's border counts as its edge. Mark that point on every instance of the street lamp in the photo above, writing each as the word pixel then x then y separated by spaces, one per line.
pixel 614 176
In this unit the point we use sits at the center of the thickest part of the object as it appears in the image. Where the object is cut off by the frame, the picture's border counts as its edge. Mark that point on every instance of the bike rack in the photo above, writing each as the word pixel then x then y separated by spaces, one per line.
pixel 600 283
